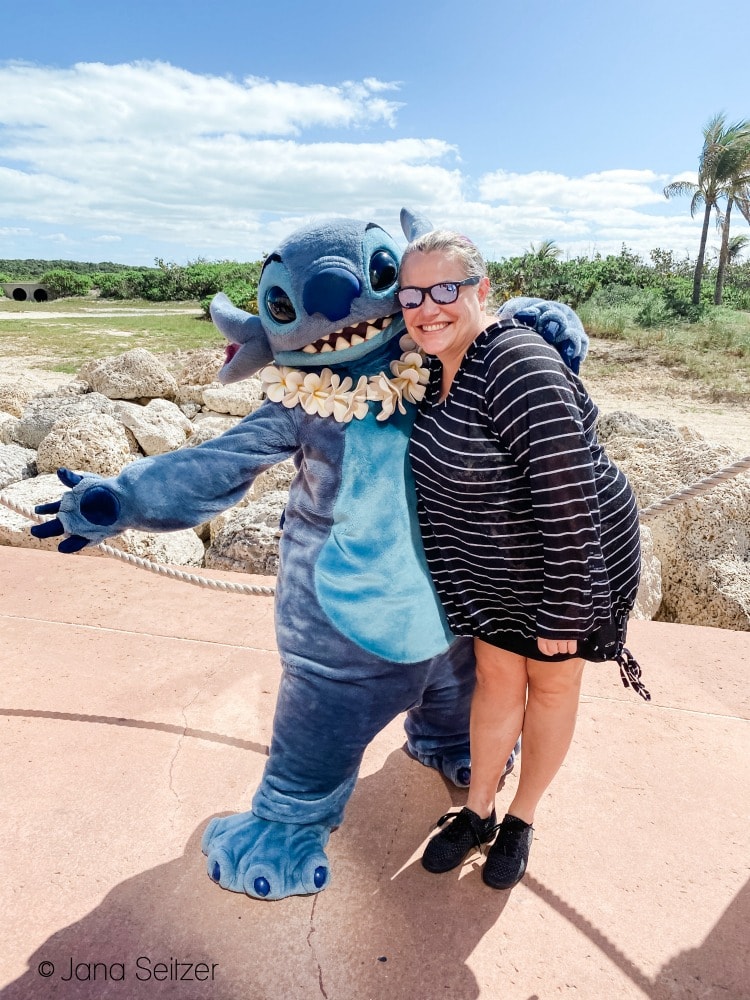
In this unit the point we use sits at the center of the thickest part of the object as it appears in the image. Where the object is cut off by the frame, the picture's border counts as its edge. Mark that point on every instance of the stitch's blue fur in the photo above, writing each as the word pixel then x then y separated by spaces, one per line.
pixel 361 634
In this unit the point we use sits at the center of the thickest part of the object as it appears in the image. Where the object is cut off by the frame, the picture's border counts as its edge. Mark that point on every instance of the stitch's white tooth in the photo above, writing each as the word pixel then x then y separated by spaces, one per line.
pixel 372 331
pixel 342 344
pixel 309 349
pixel 386 322
pixel 326 348
pixel 356 339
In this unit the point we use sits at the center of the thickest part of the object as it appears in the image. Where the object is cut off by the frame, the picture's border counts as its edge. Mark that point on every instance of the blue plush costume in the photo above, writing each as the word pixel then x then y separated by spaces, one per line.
pixel 361 634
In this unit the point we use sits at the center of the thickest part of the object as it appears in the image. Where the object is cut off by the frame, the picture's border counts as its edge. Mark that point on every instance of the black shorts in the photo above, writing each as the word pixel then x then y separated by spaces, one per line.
pixel 604 643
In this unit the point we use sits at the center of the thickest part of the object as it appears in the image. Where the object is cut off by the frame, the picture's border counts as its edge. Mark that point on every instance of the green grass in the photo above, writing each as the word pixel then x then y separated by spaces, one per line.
pixel 713 353
pixel 69 342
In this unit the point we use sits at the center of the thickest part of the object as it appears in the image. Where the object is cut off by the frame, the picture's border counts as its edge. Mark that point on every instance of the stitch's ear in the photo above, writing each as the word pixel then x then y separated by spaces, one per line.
pixel 414 225
pixel 248 349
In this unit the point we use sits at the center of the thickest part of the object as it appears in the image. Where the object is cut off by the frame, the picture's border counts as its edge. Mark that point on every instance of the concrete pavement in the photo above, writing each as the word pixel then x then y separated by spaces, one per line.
pixel 135 708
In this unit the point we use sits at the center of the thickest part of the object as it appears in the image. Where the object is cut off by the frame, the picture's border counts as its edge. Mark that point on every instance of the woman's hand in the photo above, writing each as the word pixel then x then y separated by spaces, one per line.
pixel 552 646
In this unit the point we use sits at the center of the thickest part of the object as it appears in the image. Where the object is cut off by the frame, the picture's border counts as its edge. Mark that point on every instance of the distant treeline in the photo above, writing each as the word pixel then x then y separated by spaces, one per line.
pixel 540 272
pixel 199 280
pixel 32 270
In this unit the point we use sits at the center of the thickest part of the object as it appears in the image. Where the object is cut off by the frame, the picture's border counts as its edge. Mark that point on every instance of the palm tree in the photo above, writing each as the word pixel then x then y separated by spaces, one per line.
pixel 737 193
pixel 547 250
pixel 717 168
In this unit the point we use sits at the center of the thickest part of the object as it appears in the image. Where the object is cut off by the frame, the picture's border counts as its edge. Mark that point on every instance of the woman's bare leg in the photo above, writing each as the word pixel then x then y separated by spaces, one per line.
pixel 549 723
pixel 497 714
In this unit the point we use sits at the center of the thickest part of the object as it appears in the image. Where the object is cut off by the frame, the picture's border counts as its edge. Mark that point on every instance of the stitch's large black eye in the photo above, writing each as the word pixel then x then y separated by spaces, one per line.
pixel 383 270
pixel 280 305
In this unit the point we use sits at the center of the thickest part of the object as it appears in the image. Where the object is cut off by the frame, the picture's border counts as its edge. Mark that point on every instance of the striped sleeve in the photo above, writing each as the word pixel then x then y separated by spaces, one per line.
pixel 534 412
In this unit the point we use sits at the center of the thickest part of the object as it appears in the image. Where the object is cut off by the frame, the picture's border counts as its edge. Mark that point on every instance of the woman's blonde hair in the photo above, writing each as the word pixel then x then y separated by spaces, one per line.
pixel 459 247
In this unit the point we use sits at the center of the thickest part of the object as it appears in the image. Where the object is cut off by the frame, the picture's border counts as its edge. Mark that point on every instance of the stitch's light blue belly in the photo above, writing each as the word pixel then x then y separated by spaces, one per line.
pixel 371 576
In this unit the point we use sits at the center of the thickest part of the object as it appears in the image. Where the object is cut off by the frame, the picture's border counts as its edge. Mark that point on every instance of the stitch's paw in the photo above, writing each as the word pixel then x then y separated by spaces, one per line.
pixel 555 321
pixel 264 859
pixel 87 512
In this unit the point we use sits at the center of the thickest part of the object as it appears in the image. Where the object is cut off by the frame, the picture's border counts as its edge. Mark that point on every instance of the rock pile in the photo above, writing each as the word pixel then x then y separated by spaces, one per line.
pixel 696 566
pixel 117 411
pixel 703 545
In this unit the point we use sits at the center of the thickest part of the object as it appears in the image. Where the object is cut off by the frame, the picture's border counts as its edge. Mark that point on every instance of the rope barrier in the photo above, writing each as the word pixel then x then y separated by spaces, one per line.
pixel 227 586
pixel 697 489
pixel 174 574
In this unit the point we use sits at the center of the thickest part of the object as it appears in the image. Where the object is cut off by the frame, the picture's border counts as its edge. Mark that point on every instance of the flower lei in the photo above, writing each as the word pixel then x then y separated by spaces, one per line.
pixel 326 394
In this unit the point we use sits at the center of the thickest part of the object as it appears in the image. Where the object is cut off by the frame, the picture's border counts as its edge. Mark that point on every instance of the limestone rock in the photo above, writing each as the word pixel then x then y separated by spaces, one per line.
pixel 17 392
pixel 91 442
pixel 8 428
pixel 158 427
pixel 16 463
pixel 136 374
pixel 191 395
pixel 170 548
pixel 14 528
pixel 208 426
pixel 43 412
pixel 239 398
pixel 648 601
pixel 274 480
pixel 703 544
pixel 246 539
pixel 200 367
pixel 191 410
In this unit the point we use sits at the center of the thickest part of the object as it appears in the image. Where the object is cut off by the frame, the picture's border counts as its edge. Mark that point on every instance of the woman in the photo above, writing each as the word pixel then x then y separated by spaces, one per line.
pixel 531 535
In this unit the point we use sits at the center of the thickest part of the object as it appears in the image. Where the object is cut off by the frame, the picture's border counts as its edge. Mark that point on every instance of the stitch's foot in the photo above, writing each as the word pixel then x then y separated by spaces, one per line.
pixel 458 769
pixel 264 859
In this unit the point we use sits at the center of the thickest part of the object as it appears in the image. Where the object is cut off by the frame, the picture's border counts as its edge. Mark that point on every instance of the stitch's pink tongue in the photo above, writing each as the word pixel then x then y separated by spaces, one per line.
pixel 229 352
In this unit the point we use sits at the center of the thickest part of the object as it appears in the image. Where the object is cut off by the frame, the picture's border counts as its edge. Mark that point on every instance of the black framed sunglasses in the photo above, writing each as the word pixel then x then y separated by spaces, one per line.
pixel 445 292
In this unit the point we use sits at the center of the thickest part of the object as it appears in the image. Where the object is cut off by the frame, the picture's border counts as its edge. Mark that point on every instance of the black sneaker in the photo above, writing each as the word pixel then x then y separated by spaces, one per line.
pixel 465 832
pixel 508 856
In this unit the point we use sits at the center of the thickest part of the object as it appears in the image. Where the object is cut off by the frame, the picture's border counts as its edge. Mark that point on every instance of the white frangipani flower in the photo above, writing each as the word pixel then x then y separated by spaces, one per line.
pixel 358 407
pixel 339 398
pixel 315 391
pixel 281 385
pixel 411 376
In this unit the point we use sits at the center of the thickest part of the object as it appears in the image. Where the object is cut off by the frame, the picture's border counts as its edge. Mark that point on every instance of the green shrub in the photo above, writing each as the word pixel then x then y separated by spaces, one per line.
pixel 243 294
pixel 64 283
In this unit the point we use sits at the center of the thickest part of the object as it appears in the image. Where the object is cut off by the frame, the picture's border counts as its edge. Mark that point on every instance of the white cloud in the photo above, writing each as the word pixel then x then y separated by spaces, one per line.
pixel 165 162
pixel 619 187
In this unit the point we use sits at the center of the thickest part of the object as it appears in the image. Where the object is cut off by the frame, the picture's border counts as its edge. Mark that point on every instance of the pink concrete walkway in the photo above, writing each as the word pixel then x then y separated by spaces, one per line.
pixel 135 708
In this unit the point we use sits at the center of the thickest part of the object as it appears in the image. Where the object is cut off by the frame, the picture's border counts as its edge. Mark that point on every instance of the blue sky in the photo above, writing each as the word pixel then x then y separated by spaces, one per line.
pixel 168 129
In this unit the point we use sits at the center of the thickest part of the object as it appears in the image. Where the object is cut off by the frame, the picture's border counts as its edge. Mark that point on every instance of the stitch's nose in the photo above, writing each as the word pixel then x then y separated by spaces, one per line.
pixel 331 292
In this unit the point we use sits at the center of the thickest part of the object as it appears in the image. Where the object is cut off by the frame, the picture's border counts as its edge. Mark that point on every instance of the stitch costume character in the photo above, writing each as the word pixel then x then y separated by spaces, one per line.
pixel 361 634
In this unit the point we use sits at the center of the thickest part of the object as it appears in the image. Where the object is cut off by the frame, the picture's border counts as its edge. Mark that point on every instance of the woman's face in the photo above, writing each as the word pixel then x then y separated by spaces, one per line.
pixel 443 330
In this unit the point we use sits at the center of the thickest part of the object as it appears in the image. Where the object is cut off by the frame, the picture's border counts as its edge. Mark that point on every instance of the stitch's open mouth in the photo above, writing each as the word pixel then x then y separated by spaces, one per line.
pixel 349 336
pixel 229 352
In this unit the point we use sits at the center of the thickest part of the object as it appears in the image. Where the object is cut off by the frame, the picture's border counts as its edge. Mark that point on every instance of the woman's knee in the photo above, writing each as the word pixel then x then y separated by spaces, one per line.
pixel 497 668
pixel 555 680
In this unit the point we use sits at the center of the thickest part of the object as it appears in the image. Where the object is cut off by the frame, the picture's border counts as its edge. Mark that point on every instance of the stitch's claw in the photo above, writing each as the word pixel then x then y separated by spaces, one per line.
pixel 264 859
pixel 463 777
pixel 48 508
pixel 50 528
pixel 74 543
pixel 261 886
pixel 68 478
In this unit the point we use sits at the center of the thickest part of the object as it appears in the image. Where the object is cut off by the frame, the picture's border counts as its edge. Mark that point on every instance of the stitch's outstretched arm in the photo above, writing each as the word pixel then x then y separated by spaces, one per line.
pixel 173 491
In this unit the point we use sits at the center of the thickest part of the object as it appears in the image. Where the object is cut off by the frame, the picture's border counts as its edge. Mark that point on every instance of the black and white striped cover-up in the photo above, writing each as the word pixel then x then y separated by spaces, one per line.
pixel 529 528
